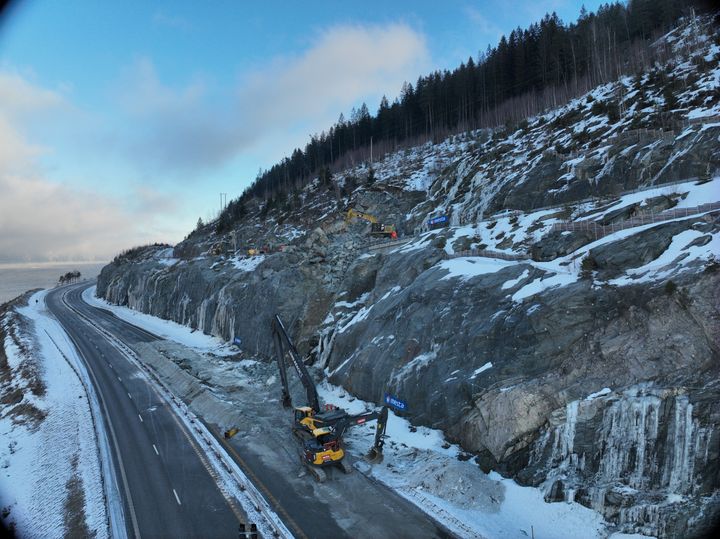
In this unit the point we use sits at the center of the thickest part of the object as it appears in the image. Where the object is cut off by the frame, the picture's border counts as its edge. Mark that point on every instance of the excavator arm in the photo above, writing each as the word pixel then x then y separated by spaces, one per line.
pixel 284 344
pixel 376 451
pixel 352 213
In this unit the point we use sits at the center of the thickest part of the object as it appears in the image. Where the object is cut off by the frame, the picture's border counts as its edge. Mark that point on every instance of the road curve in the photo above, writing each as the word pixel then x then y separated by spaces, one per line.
pixel 309 510
pixel 167 490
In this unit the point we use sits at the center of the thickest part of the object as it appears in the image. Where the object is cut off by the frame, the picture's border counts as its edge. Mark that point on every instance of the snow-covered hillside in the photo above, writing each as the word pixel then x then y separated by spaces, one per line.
pixel 563 328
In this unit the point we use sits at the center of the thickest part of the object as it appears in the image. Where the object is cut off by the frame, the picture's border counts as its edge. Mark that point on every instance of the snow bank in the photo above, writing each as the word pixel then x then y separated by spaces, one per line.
pixel 466 267
pixel 166 329
pixel 247 263
pixel 479 370
pixel 543 283
pixel 44 465
pixel 422 467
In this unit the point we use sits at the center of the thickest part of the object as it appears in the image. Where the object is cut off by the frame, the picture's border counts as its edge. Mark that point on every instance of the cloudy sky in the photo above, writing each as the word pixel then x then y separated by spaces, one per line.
pixel 121 122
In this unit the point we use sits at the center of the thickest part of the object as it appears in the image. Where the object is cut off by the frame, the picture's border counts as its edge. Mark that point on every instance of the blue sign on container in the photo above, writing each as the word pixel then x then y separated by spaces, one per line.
pixel 438 220
pixel 237 341
pixel 395 402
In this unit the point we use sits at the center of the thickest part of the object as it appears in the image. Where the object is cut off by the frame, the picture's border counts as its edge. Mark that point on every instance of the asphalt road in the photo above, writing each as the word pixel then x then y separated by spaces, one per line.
pixel 167 490
pixel 351 506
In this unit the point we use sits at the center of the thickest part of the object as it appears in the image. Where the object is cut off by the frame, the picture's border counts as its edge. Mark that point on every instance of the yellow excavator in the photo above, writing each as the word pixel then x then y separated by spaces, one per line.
pixel 376 228
pixel 320 431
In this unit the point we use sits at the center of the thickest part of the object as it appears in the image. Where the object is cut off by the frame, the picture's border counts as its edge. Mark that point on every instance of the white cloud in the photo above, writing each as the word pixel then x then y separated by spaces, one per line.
pixel 173 129
pixel 142 92
pixel 20 99
pixel 40 220
pixel 345 65
pixel 15 151
pixel 43 220
pixel 188 128
pixel 20 104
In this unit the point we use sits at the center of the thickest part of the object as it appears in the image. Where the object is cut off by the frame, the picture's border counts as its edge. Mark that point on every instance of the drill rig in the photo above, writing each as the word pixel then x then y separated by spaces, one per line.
pixel 320 431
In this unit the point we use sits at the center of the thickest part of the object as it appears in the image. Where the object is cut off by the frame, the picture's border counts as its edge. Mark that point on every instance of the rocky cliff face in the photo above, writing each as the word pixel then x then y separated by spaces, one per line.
pixel 582 362
pixel 600 394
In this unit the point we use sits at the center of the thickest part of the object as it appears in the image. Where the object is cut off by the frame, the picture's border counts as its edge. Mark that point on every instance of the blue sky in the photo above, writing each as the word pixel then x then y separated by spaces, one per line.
pixel 121 122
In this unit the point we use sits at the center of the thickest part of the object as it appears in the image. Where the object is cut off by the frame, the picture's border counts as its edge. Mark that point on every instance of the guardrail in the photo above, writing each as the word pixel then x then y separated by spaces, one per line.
pixel 600 230
pixel 222 465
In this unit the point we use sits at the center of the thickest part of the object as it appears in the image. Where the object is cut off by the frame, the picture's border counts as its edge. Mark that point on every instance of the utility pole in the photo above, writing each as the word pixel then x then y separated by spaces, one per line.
pixel 223 201
pixel 371 155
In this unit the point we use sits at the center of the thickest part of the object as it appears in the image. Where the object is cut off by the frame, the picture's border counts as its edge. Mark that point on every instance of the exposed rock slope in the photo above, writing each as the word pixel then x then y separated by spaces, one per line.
pixel 582 358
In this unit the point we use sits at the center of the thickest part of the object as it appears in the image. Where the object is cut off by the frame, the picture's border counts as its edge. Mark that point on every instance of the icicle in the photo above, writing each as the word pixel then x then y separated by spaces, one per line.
pixel 681 460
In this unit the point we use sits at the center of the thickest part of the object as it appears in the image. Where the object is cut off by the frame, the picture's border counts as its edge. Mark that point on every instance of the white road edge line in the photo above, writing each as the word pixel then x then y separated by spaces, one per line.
pixel 156 452
pixel 141 419
pixel 106 418
pixel 129 396
pixel 177 497
pixel 250 499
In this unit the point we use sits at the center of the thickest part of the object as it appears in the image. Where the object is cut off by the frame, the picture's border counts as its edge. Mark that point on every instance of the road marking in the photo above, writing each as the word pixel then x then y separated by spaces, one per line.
pixel 129 396
pixel 119 378
pixel 141 419
pixel 158 454
pixel 110 364
pixel 203 458
pixel 113 436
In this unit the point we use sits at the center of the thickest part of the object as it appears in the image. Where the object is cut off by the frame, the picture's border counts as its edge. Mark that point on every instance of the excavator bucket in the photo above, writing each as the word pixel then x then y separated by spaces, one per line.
pixel 374 456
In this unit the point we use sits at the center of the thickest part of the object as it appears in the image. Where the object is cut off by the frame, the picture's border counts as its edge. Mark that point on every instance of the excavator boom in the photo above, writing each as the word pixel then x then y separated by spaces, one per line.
pixel 283 344
pixel 352 213
pixel 321 432
pixel 352 420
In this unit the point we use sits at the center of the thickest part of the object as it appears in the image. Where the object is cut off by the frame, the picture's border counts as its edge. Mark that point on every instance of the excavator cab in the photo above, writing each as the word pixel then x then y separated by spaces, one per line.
pixel 302 412
pixel 305 420
pixel 323 454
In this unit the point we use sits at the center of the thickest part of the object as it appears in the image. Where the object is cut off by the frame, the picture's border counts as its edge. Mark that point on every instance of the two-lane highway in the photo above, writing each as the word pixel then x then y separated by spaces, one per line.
pixel 167 488
pixel 168 491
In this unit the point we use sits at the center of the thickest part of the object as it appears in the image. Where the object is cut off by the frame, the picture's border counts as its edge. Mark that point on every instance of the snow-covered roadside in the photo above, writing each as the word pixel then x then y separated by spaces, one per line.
pixel 426 470
pixel 166 329
pixel 230 479
pixel 441 479
pixel 51 482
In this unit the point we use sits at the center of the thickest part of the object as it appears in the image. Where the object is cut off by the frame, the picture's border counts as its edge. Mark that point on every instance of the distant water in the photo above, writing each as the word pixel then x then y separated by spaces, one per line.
pixel 18 278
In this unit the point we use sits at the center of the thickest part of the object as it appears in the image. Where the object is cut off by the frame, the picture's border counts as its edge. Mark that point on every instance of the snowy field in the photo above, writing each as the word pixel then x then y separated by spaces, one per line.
pixel 422 467
pixel 51 481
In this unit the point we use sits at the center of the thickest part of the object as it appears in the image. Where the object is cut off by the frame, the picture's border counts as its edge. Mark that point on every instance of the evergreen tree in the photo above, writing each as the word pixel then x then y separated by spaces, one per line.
pixel 528 71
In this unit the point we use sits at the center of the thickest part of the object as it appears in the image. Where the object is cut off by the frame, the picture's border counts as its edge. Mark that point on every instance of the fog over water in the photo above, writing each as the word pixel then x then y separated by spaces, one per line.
pixel 18 278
